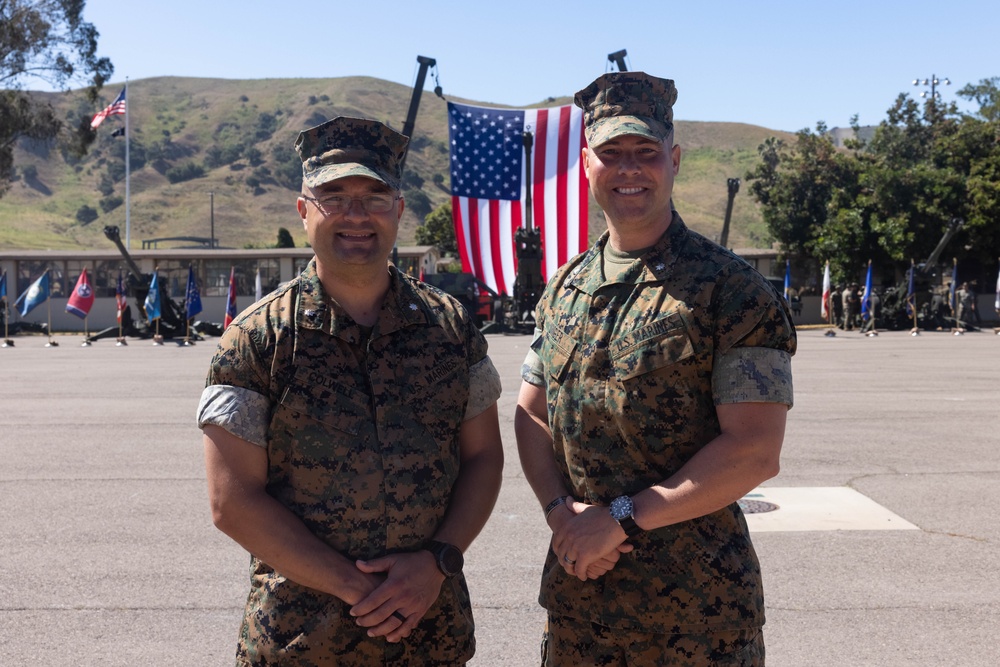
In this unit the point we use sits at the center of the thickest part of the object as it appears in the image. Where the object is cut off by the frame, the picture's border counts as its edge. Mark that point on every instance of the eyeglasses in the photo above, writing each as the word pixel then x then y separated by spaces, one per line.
pixel 337 204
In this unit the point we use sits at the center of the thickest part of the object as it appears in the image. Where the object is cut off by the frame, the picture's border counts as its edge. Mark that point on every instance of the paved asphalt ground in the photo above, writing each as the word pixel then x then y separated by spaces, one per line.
pixel 108 555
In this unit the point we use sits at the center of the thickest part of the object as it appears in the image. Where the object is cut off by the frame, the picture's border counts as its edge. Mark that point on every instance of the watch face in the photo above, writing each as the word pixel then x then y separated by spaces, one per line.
pixel 621 507
pixel 451 560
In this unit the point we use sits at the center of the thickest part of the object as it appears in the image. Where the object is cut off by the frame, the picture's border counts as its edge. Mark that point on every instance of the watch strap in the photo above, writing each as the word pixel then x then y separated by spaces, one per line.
pixel 630 527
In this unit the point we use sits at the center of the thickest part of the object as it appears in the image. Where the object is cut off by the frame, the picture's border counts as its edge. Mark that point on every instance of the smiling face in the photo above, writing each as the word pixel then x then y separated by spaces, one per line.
pixel 354 239
pixel 632 178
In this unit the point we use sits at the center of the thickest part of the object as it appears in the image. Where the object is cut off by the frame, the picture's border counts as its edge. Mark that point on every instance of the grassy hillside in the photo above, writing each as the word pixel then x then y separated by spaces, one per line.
pixel 234 139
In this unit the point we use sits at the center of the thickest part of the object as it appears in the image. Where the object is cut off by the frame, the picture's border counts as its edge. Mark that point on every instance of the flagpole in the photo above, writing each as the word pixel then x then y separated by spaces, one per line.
pixel 952 297
pixel 86 333
pixel 48 309
pixel 7 342
pixel 128 176
pixel 911 294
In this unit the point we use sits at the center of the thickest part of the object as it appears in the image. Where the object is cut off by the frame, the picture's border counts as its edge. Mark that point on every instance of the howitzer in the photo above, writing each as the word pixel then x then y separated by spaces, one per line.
pixel 929 313
pixel 172 322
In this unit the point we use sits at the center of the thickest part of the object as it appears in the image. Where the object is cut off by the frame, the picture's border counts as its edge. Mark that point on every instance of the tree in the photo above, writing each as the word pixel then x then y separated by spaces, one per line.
pixel 48 41
pixel 284 239
pixel 438 229
pixel 987 94
pixel 891 199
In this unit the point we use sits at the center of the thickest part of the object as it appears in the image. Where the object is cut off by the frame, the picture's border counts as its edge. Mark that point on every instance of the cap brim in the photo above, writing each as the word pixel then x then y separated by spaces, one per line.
pixel 606 129
pixel 333 172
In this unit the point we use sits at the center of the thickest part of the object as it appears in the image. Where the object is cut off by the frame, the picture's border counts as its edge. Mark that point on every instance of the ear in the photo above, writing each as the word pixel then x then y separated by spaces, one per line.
pixel 675 157
pixel 585 157
pixel 300 206
pixel 402 207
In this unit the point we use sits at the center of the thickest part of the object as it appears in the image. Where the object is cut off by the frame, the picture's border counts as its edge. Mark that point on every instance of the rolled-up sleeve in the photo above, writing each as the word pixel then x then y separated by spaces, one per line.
pixel 242 412
pixel 752 375
pixel 484 387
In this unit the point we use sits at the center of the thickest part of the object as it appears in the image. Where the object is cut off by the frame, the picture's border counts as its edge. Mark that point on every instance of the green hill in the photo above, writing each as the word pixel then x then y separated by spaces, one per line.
pixel 191 137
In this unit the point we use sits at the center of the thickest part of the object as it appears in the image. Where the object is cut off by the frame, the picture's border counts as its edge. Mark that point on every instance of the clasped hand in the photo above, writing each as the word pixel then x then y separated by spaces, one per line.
pixel 587 540
pixel 411 585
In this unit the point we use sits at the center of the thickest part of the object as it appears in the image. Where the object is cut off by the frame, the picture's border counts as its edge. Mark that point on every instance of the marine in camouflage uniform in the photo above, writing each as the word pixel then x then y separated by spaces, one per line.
pixel 369 435
pixel 659 373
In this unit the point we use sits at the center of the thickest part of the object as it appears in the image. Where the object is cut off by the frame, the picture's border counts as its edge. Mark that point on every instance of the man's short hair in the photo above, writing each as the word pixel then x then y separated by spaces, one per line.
pixel 345 147
pixel 620 103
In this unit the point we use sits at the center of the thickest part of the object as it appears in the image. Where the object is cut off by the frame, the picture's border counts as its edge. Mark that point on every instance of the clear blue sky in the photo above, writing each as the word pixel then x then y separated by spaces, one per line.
pixel 779 64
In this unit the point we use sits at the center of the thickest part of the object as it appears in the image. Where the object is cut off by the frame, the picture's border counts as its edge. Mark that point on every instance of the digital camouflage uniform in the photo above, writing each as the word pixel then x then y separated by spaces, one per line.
pixel 362 443
pixel 633 369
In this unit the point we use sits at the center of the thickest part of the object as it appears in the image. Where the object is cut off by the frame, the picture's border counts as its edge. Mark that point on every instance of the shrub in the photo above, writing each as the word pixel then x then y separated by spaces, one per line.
pixel 86 215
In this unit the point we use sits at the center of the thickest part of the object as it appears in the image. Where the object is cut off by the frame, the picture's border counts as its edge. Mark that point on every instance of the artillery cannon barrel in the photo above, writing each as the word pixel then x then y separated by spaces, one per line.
pixel 111 231
pixel 954 225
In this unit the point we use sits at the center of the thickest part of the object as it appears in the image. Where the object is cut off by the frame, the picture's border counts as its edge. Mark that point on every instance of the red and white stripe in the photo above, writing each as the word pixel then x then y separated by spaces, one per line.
pixel 485 229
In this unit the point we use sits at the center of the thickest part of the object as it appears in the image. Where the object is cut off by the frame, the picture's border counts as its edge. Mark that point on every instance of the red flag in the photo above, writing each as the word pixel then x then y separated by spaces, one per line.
pixel 114 109
pixel 488 185
pixel 231 299
pixel 82 298
pixel 824 306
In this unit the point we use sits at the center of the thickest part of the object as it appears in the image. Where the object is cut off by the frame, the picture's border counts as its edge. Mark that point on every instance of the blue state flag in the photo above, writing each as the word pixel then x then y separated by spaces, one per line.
pixel 152 302
pixel 193 297
pixel 866 296
pixel 35 295
pixel 3 286
pixel 788 280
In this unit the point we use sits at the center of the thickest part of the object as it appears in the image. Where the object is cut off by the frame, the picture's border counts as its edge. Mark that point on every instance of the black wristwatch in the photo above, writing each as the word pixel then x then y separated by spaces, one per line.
pixel 449 557
pixel 621 511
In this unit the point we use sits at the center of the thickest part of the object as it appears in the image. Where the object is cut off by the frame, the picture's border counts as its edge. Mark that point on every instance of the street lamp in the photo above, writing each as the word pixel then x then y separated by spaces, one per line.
pixel 933 83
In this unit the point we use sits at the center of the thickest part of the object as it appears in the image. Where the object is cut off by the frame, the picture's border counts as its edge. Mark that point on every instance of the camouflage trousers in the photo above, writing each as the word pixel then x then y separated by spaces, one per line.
pixel 571 642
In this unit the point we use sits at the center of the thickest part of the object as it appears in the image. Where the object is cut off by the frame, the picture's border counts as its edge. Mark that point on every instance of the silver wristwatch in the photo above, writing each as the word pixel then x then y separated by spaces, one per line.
pixel 621 511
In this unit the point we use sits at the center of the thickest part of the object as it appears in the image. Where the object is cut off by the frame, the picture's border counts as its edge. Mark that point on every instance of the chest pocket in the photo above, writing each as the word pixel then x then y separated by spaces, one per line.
pixel 659 345
pixel 556 351
pixel 326 401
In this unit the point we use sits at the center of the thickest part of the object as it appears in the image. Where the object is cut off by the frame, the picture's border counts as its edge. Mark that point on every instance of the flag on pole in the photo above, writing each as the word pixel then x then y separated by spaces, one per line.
pixel 192 297
pixel 152 301
pixel 996 304
pixel 257 287
pixel 824 306
pixel 82 298
pixel 489 189
pixel 788 281
pixel 954 285
pixel 121 296
pixel 3 286
pixel 116 108
pixel 36 294
pixel 230 299
pixel 866 296
pixel 911 292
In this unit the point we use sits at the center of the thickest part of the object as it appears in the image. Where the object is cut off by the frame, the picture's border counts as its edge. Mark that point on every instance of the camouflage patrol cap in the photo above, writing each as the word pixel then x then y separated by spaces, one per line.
pixel 351 147
pixel 620 103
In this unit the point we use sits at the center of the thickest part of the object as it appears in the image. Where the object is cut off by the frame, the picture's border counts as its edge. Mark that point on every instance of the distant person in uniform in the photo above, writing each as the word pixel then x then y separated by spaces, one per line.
pixel 837 306
pixel 654 396
pixel 351 435
pixel 964 300
pixel 852 306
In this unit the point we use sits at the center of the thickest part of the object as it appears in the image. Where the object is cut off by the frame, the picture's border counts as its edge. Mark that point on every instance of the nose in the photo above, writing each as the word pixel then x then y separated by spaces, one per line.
pixel 628 163
pixel 355 209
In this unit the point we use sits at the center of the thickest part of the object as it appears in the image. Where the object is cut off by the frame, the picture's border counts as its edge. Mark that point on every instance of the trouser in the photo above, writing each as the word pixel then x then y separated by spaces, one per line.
pixel 570 642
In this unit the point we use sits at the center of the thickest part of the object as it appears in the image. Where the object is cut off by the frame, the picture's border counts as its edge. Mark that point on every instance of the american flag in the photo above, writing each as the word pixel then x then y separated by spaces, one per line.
pixel 489 189
pixel 114 109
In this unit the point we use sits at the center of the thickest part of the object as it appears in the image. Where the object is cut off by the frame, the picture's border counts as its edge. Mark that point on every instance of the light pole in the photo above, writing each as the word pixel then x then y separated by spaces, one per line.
pixel 211 219
pixel 933 82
